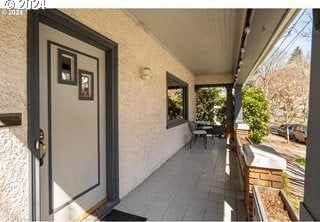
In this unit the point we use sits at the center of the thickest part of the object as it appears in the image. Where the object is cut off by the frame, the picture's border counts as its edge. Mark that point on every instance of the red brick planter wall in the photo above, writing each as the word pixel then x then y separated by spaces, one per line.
pixel 261 177
pixel 256 176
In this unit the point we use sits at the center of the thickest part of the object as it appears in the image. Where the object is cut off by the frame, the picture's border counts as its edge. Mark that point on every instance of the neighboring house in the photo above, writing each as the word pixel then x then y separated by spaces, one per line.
pixel 92 86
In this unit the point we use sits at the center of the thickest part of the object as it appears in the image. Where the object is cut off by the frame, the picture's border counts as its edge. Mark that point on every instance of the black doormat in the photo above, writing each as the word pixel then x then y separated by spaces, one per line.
pixel 116 215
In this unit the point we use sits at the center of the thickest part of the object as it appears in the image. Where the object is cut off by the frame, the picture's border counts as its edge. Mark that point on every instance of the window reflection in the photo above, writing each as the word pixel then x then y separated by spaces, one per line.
pixel 85 86
pixel 66 69
pixel 175 102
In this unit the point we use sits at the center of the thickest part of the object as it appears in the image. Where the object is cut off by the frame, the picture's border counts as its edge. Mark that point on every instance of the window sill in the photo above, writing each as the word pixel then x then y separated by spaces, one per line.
pixel 175 123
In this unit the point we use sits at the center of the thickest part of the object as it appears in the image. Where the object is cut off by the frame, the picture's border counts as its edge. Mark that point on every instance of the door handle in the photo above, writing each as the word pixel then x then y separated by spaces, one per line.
pixel 42 146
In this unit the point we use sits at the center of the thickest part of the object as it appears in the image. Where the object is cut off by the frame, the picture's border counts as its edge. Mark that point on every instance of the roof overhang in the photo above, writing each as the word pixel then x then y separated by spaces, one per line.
pixel 268 25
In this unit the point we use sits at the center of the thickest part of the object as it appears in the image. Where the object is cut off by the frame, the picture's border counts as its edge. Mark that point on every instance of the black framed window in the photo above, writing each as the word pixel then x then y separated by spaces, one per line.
pixel 177 101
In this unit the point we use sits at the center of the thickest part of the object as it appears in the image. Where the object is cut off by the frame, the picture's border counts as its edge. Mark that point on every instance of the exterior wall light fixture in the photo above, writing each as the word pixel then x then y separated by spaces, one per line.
pixel 146 73
pixel 247 30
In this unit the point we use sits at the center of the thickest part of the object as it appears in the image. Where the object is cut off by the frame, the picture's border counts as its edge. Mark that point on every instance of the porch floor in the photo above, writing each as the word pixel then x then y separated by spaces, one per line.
pixel 195 184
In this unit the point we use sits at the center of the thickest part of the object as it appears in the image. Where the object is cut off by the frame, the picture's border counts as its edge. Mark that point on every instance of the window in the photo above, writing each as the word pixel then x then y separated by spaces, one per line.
pixel 67 67
pixel 177 101
pixel 85 85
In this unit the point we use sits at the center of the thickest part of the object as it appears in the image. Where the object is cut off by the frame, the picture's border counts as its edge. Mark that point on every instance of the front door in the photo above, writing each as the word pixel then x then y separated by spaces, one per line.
pixel 73 125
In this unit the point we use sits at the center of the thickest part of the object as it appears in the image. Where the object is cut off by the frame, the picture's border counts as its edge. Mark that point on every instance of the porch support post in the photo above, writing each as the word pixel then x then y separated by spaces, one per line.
pixel 238 116
pixel 309 209
pixel 229 105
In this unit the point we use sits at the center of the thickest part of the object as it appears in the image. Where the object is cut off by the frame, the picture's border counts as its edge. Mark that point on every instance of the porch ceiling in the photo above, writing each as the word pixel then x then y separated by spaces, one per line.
pixel 208 41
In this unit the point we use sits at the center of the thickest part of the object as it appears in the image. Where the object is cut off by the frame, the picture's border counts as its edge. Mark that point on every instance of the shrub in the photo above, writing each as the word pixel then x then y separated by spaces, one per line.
pixel 206 100
pixel 301 161
pixel 255 112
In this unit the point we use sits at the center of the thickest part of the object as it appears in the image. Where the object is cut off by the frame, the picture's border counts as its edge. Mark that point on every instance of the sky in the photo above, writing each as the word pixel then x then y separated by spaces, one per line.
pixel 303 40
pixel 305 43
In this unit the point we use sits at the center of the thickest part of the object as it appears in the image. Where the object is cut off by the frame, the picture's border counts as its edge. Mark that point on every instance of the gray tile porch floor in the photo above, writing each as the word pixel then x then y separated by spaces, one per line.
pixel 195 184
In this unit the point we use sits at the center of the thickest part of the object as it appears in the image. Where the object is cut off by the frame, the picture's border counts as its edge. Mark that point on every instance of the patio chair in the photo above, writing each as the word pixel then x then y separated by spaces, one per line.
pixel 207 128
pixel 197 133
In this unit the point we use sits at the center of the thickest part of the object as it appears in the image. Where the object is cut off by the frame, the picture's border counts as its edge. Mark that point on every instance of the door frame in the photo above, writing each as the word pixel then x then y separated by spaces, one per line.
pixel 66 24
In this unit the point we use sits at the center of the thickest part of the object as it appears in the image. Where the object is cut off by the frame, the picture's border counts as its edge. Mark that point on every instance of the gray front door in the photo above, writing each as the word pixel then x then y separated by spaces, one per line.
pixel 73 122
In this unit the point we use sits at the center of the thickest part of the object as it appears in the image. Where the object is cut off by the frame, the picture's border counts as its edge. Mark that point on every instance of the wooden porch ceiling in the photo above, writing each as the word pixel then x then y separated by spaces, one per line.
pixel 208 41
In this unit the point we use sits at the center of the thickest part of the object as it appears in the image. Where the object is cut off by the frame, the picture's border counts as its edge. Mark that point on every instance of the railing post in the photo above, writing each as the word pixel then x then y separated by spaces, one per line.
pixel 238 115
pixel 229 115
pixel 229 105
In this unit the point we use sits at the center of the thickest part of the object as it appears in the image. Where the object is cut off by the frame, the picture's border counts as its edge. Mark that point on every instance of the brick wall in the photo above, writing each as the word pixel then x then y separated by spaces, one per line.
pixel 243 136
pixel 261 177
pixel 256 176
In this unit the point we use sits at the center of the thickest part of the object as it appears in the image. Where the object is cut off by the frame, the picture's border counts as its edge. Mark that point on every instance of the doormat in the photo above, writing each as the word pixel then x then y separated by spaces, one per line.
pixel 116 215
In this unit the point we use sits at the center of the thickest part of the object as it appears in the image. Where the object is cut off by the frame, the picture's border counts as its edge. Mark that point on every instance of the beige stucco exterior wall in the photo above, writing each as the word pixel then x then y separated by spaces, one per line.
pixel 14 154
pixel 213 79
pixel 144 142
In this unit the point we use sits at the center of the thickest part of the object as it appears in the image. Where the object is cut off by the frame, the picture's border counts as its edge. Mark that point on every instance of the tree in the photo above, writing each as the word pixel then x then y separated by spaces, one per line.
pixel 289 94
pixel 296 57
pixel 210 104
pixel 262 77
pixel 300 64
pixel 255 112
pixel 287 88
pixel 284 78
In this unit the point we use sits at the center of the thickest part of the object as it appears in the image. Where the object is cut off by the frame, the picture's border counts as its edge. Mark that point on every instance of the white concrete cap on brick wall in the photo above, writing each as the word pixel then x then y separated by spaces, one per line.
pixel 263 157
pixel 241 126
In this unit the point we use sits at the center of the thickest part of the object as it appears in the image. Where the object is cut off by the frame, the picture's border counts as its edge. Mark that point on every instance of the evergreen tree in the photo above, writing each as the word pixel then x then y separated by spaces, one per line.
pixel 296 58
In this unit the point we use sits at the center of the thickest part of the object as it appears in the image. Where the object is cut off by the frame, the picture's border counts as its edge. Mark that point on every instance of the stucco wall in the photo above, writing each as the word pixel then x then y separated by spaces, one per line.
pixel 144 142
pixel 14 154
